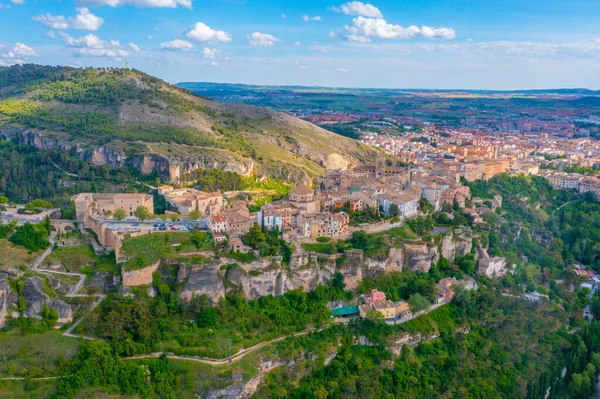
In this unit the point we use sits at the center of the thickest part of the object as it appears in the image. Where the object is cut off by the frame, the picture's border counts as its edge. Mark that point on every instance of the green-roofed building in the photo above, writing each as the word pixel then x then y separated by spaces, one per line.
pixel 346 311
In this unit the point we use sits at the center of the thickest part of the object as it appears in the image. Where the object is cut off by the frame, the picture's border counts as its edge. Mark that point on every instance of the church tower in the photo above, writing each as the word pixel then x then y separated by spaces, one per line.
pixel 379 167
pixel 317 196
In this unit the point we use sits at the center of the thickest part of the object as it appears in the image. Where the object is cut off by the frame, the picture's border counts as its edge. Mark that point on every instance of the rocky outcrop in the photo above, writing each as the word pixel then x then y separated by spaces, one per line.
pixel 35 297
pixel 4 297
pixel 183 272
pixel 133 278
pixel 420 256
pixel 65 313
pixel 267 276
pixel 204 280
pixel 104 281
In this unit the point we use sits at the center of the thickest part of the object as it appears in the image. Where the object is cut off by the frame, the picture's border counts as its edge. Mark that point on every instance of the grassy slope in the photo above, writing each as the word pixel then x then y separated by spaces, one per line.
pixel 12 255
pixel 82 259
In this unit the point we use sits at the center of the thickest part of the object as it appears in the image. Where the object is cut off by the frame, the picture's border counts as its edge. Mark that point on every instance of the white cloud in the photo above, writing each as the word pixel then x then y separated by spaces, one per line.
pixel 201 32
pixel 92 46
pixel 283 16
pixel 51 34
pixel 134 47
pixel 359 8
pixel 504 49
pixel 349 38
pixel 140 3
pixel 150 37
pixel 84 20
pixel 343 70
pixel 17 1
pixel 306 18
pixel 209 53
pixel 176 45
pixel 262 39
pixel 297 44
pixel 322 49
pixel 52 21
pixel 379 28
pixel 19 50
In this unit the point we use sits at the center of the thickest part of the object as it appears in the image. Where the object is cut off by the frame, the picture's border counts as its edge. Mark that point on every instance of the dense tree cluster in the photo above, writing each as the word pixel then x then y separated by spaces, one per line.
pixel 97 365
pixel 32 237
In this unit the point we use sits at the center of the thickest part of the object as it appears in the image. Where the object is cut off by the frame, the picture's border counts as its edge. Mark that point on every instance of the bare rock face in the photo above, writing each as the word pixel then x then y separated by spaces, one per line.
pixel 104 281
pixel 65 313
pixel 183 272
pixel 266 282
pixel 133 278
pixel 204 280
pixel 33 292
pixel 335 161
pixel 448 248
pixel 35 297
pixel 464 244
pixel 5 292
pixel 419 257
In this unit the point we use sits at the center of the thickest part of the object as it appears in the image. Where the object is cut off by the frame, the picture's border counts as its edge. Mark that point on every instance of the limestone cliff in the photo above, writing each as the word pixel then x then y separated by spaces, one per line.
pixel 267 276
pixel 171 167
pixel 4 297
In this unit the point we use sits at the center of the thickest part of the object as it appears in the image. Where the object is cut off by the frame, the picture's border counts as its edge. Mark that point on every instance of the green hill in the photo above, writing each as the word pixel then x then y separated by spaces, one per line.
pixel 121 117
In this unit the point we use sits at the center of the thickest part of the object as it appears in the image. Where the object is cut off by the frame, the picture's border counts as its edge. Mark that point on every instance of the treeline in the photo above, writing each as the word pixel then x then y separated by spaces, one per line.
pixel 29 173
pixel 97 365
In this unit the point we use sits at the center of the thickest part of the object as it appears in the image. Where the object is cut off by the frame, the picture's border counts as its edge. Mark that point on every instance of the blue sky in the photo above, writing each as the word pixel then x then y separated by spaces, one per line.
pixel 483 44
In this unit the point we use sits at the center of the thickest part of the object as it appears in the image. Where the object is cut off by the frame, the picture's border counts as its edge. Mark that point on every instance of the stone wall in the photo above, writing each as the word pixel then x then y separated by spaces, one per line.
pixel 133 278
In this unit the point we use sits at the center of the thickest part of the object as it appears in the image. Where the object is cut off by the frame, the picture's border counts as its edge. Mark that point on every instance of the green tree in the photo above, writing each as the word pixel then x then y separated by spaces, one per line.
pixel 119 214
pixel 418 302
pixel 207 317
pixel 255 237
pixel 3 200
pixel 142 213
pixel 194 215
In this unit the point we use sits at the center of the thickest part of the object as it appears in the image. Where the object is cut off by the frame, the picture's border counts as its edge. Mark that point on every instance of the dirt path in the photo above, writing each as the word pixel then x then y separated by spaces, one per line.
pixel 221 362
pixel 73 292
pixel 23 378
pixel 563 205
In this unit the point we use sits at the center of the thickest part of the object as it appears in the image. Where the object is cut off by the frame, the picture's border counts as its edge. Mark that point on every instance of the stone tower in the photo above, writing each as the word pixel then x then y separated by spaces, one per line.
pixel 318 196
pixel 379 167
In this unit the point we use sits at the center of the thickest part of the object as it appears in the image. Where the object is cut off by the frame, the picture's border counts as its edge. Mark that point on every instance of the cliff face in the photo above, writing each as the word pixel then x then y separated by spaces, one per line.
pixel 267 276
pixel 133 278
pixel 4 294
pixel 171 167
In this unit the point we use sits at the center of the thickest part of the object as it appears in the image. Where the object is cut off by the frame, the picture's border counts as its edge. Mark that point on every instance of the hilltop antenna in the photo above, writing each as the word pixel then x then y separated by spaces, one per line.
pixel 126 63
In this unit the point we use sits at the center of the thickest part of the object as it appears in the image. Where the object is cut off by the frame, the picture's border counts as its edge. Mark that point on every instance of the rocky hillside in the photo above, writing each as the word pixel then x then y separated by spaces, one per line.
pixel 120 117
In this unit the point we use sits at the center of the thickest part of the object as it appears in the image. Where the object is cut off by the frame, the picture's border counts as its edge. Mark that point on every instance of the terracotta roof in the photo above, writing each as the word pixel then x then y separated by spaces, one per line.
pixel 301 190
